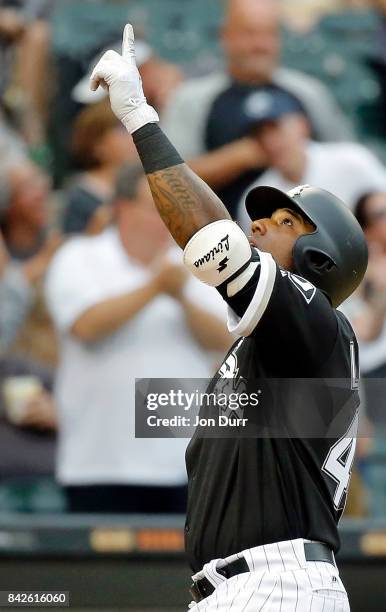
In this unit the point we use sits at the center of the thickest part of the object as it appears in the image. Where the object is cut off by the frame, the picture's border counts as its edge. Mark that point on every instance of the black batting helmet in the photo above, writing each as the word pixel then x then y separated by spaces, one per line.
pixel 334 256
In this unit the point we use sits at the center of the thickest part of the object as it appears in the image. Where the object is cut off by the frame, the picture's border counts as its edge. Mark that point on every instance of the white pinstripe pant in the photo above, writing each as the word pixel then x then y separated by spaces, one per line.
pixel 280 580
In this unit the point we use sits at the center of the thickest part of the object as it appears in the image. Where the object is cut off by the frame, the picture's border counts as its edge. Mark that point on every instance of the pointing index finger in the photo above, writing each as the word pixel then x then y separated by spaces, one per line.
pixel 128 47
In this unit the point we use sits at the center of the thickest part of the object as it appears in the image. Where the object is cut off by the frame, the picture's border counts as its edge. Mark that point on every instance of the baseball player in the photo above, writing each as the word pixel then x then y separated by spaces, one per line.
pixel 261 527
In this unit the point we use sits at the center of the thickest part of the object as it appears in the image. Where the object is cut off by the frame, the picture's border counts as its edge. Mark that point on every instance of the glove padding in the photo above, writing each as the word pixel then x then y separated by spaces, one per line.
pixel 119 74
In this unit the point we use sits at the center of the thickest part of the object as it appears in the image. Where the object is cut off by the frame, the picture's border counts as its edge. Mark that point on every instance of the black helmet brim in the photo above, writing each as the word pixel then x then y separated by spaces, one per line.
pixel 261 202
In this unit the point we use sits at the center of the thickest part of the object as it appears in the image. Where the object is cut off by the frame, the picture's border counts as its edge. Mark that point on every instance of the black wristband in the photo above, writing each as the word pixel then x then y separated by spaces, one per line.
pixel 155 150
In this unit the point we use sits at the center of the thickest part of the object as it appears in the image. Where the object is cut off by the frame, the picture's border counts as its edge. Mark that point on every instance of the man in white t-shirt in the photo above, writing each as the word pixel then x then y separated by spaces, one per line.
pixel 125 311
pixel 282 130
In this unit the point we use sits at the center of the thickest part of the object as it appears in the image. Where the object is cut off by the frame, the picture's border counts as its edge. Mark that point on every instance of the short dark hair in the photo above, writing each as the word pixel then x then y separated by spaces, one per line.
pixel 127 181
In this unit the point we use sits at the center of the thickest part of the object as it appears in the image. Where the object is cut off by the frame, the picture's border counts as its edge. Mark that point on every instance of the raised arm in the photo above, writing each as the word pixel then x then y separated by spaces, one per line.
pixel 215 248
pixel 184 201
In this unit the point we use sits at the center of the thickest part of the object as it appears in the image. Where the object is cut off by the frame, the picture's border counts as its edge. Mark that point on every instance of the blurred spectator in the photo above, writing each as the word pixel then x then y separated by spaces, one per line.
pixel 283 133
pixel 27 438
pixel 25 397
pixel 12 149
pixel 304 14
pixel 81 33
pixel 24 61
pixel 3 257
pixel 213 139
pixel 24 221
pixel 159 78
pixel 17 290
pixel 367 312
pixel 123 310
pixel 369 319
pixel 373 114
pixel 100 146
pixel 25 215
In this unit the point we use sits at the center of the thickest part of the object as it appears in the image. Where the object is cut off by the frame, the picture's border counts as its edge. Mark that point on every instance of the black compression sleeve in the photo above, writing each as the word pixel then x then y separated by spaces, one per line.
pixel 155 150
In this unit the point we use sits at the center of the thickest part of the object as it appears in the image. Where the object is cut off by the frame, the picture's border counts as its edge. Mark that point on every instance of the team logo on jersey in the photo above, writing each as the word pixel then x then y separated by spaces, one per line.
pixel 230 368
pixel 229 379
pixel 306 288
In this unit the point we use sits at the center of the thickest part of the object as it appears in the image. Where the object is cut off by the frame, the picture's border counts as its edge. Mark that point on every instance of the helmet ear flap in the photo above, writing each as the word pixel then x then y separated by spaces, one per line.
pixel 312 262
pixel 319 261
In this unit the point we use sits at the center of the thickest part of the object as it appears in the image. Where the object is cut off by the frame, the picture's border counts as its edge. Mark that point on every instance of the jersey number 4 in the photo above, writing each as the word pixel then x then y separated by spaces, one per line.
pixel 338 464
pixel 339 461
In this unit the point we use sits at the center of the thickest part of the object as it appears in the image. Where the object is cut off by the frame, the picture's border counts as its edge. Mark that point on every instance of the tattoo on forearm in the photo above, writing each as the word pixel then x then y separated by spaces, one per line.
pixel 184 201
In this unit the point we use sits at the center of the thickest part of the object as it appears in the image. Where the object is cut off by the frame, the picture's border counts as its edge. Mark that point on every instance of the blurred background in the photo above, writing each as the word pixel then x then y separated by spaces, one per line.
pixel 92 293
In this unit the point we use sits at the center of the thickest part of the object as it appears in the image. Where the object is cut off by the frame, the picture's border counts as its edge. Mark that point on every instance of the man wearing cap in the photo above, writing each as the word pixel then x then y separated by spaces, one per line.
pixel 212 140
pixel 282 130
pixel 264 504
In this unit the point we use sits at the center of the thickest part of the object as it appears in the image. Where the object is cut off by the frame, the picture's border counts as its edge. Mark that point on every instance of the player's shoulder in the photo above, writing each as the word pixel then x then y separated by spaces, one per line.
pixel 296 298
pixel 299 321
pixel 283 297
pixel 298 285
pixel 303 301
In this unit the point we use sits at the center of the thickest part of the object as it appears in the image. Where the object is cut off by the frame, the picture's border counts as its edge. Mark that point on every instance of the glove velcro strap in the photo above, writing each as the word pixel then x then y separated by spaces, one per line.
pixel 140 116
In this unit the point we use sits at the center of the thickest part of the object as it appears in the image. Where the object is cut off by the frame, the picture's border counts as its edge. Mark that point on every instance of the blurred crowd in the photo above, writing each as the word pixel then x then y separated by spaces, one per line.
pixel 92 291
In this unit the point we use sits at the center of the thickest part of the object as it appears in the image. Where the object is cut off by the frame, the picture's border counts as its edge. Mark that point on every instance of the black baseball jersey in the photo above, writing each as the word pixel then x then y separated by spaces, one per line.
pixel 248 489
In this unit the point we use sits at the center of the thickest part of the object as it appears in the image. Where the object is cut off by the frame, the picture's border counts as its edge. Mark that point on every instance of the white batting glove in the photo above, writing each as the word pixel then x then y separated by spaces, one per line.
pixel 119 74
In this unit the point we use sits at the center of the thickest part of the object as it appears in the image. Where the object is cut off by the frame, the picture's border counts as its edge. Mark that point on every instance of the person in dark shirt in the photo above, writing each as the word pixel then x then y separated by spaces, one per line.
pixel 226 157
pixel 263 503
